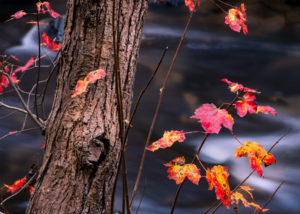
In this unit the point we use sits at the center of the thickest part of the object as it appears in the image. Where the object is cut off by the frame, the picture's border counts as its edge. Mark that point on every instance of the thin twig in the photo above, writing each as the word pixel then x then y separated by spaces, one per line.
pixel 157 109
pixel 272 196
pixel 39 66
pixel 38 122
pixel 12 107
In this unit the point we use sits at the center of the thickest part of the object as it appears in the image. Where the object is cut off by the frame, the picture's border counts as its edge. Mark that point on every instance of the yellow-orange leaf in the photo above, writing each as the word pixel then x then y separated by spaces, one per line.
pixel 168 139
pixel 178 170
pixel 217 177
pixel 91 77
pixel 256 154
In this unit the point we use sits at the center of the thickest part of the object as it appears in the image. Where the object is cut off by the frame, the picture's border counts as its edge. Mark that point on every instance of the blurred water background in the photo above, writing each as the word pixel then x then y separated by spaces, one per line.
pixel 267 59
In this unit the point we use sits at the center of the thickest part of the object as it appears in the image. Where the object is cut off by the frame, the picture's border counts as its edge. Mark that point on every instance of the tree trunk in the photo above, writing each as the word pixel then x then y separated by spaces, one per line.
pixel 82 135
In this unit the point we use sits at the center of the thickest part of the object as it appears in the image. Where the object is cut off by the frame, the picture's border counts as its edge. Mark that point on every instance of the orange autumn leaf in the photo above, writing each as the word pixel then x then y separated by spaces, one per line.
pixel 91 77
pixel 17 15
pixel 191 4
pixel 237 87
pixel 246 105
pixel 168 139
pixel 236 19
pixel 211 118
pixel 178 170
pixel 46 41
pixel 12 132
pixel 266 110
pixel 16 185
pixel 238 196
pixel 217 177
pixel 256 154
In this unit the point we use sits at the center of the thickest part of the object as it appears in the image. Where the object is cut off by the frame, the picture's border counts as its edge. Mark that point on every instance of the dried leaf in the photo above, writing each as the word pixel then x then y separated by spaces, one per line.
pixel 178 170
pixel 211 118
pixel 256 154
pixel 236 19
pixel 168 139
pixel 217 177
pixel 246 105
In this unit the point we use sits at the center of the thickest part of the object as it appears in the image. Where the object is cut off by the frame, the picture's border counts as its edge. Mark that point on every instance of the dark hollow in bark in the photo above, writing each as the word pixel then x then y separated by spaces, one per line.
pixel 82 134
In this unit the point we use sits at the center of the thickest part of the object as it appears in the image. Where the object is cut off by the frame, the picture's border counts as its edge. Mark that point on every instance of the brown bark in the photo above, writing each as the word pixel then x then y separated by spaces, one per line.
pixel 82 134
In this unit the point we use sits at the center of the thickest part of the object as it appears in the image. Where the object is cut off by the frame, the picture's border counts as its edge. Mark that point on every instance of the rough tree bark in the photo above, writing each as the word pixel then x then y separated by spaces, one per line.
pixel 82 134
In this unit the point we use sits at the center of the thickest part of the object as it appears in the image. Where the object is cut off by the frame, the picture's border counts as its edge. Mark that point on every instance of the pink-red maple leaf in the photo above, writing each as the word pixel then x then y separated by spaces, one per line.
pixel 17 15
pixel 26 66
pixel 191 4
pixel 246 105
pixel 178 170
pixel 236 19
pixel 168 139
pixel 211 118
pixel 237 87
pixel 266 110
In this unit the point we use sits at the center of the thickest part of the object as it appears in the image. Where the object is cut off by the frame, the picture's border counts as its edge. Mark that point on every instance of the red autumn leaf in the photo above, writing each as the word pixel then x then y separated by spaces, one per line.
pixel 49 43
pixel 246 105
pixel 266 110
pixel 191 4
pixel 256 154
pixel 4 82
pixel 26 66
pixel 236 19
pixel 168 139
pixel 17 15
pixel 31 188
pixel 217 177
pixel 16 185
pixel 178 170
pixel 43 6
pixel 238 196
pixel 236 87
pixel 91 77
pixel 211 118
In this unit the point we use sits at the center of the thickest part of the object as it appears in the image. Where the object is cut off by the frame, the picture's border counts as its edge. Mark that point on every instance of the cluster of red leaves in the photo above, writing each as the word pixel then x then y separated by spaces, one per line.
pixel 178 170
pixel 91 77
pixel 217 177
pixel 168 139
pixel 211 118
pixel 191 4
pixel 239 196
pixel 46 41
pixel 256 154
pixel 236 18
pixel 44 7
pixel 16 185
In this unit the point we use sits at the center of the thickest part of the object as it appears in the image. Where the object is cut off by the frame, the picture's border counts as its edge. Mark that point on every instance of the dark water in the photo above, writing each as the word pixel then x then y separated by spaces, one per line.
pixel 267 59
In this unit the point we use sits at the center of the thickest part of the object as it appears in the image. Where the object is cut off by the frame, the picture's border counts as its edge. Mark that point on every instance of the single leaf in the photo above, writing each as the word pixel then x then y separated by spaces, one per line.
pixel 4 82
pixel 256 154
pixel 31 188
pixel 191 4
pixel 46 41
pixel 26 66
pixel 211 118
pixel 266 110
pixel 17 15
pixel 246 105
pixel 217 177
pixel 237 87
pixel 258 207
pixel 16 185
pixel 91 77
pixel 236 19
pixel 178 170
pixel 168 139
